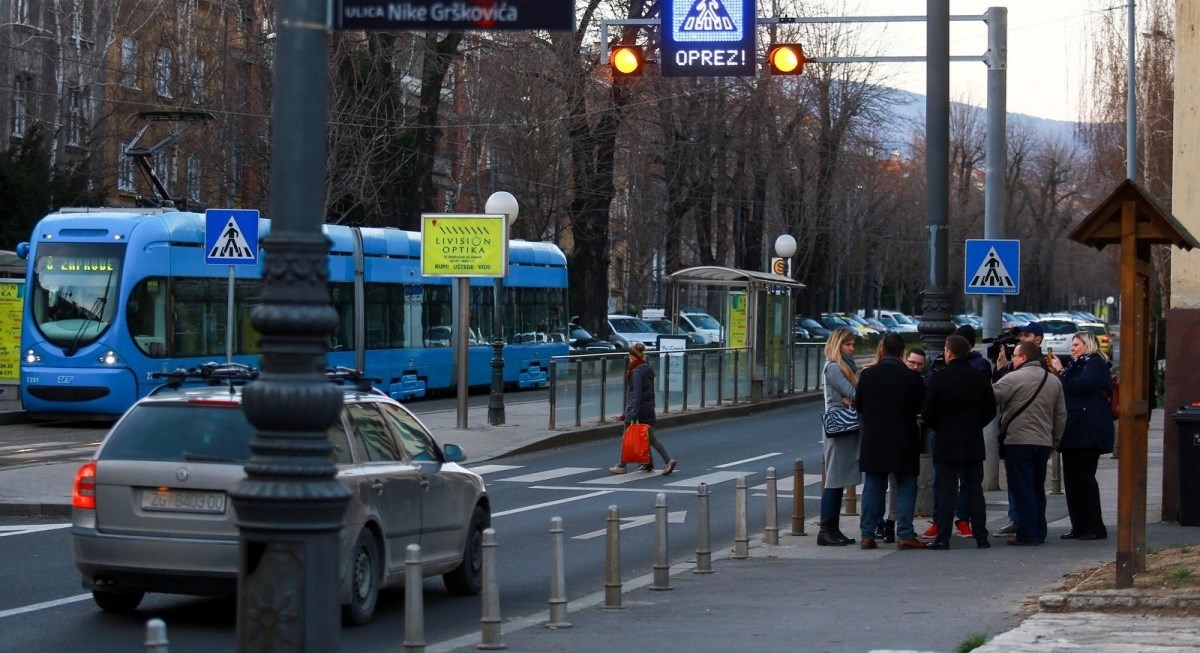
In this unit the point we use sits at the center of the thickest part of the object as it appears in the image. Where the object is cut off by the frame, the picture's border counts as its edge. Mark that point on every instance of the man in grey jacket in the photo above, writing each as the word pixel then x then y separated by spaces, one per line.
pixel 1033 414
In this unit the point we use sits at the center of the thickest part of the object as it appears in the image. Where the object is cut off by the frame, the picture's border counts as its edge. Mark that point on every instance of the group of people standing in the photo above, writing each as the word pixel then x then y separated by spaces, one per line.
pixel 1044 407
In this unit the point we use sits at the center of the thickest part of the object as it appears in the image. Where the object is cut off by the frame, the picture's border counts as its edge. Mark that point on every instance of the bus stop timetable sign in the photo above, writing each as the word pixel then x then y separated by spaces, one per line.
pixel 464 15
pixel 708 38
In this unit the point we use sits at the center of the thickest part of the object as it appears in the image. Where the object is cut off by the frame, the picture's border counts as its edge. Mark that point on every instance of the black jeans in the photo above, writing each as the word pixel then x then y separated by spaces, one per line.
pixel 1082 492
pixel 1025 466
pixel 970 475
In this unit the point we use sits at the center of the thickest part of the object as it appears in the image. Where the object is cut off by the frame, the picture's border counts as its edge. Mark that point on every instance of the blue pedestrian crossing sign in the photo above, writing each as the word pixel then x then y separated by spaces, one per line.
pixel 231 237
pixel 992 267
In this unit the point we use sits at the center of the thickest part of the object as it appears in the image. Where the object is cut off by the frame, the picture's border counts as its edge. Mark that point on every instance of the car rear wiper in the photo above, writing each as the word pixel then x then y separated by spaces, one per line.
pixel 208 458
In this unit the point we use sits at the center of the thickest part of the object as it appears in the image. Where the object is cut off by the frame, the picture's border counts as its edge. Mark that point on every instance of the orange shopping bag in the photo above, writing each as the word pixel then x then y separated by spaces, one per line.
pixel 635 446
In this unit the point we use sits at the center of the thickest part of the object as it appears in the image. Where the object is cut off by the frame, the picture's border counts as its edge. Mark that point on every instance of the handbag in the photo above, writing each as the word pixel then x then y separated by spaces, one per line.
pixel 635 445
pixel 840 421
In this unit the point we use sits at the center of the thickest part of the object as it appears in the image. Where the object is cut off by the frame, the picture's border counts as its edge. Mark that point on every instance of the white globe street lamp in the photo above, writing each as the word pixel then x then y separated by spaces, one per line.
pixel 499 203
pixel 785 246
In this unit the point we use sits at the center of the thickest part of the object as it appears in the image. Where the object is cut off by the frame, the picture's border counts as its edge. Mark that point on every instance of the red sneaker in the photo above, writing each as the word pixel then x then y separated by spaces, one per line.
pixel 931 531
pixel 964 528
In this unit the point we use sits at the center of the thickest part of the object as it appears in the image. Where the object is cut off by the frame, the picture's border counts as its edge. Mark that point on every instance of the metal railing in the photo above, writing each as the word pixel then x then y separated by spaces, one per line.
pixel 591 387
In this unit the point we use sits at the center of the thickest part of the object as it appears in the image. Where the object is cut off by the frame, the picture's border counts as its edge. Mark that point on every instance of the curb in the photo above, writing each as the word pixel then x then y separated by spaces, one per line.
pixel 1114 601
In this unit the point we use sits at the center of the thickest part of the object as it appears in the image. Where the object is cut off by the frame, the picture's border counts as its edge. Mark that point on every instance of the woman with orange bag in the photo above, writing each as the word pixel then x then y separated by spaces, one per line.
pixel 639 406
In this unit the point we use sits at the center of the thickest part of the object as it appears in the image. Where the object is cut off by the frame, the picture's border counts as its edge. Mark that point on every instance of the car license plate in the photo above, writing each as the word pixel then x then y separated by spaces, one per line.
pixel 183 501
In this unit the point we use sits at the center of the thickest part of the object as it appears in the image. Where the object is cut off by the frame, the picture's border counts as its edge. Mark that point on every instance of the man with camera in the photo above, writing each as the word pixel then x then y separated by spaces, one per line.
pixel 1033 415
pixel 1001 347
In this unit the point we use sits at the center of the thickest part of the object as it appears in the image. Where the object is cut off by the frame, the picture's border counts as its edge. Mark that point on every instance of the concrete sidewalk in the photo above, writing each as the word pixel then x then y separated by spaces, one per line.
pixel 796 594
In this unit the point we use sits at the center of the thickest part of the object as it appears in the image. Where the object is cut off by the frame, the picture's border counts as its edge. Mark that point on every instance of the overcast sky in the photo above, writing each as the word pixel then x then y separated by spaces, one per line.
pixel 1046 61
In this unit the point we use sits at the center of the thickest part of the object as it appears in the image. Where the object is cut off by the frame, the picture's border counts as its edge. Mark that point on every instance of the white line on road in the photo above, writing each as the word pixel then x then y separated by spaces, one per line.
pixel 558 472
pixel 711 479
pixel 43 606
pixel 551 503
pixel 616 489
pixel 488 469
pixel 5 531
pixel 748 460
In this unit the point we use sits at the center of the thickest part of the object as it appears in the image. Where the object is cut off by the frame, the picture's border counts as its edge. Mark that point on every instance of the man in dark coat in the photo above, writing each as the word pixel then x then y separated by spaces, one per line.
pixel 958 404
pixel 888 398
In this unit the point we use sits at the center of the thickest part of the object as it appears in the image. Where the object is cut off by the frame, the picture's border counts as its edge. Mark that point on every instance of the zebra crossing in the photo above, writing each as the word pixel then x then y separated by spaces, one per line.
pixel 52 450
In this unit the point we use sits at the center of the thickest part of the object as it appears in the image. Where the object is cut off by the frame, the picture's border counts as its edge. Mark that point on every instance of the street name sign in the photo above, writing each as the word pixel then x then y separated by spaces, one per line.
pixel 549 15
pixel 708 38
pixel 231 237
pixel 464 245
pixel 992 267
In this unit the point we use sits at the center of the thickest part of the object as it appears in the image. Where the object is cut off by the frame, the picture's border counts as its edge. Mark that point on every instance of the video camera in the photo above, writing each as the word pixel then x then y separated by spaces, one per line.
pixel 1007 339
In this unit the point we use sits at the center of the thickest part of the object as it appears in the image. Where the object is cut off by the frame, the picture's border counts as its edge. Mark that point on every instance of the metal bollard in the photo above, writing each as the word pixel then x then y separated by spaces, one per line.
pixel 489 622
pixel 156 636
pixel 558 582
pixel 703 550
pixel 771 531
pixel 851 502
pixel 1056 474
pixel 741 541
pixel 612 560
pixel 798 498
pixel 414 600
pixel 662 563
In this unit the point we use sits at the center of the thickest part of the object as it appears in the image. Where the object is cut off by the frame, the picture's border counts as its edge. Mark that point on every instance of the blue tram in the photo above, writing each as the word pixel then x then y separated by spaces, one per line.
pixel 116 294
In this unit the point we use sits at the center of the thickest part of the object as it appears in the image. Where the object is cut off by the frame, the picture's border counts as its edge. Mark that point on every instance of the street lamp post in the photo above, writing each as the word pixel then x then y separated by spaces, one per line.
pixel 785 248
pixel 500 203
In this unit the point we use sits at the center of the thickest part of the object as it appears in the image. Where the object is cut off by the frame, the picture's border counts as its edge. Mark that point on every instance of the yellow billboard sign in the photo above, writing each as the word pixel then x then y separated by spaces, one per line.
pixel 464 245
pixel 737 319
pixel 12 297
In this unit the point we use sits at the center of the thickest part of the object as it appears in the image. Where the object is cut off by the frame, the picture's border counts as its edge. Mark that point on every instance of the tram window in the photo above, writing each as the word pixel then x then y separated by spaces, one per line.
pixel 146 316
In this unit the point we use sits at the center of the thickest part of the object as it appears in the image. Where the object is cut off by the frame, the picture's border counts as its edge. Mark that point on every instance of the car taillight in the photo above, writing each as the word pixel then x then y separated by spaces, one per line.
pixel 84 494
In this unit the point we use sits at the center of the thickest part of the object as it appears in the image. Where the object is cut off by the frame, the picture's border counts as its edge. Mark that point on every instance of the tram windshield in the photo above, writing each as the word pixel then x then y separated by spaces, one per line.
pixel 74 295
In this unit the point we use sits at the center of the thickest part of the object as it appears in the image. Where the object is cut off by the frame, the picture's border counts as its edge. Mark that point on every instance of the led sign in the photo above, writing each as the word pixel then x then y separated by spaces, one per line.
pixel 708 38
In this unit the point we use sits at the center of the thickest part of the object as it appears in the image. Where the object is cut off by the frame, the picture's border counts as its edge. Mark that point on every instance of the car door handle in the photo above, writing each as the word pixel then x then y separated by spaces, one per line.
pixel 425 483
pixel 377 485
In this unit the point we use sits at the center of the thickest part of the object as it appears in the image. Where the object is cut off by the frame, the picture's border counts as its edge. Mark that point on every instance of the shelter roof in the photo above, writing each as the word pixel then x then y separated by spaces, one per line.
pixel 715 275
pixel 1155 224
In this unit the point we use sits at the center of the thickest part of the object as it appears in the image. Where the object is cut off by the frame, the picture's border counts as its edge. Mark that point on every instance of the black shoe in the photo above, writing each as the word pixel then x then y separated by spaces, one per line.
pixel 889 531
pixel 982 543
pixel 1069 535
pixel 1087 537
pixel 937 546
pixel 825 537
pixel 836 533
pixel 879 531
pixel 1012 541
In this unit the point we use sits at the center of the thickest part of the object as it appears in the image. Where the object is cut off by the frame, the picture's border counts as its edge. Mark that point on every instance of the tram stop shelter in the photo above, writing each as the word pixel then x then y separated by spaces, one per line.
pixel 756 311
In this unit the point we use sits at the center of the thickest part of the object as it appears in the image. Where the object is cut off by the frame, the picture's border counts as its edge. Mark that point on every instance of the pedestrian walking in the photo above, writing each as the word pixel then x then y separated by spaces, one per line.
pixel 639 407
pixel 841 452
pixel 888 398
pixel 1087 387
pixel 958 405
pixel 1033 415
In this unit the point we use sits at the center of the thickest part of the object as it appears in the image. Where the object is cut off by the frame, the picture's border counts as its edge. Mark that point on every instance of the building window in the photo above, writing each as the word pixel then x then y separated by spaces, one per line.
pixel 129 62
pixel 197 80
pixel 124 170
pixel 162 72
pixel 75 122
pixel 193 179
pixel 21 110
pixel 165 163
pixel 21 11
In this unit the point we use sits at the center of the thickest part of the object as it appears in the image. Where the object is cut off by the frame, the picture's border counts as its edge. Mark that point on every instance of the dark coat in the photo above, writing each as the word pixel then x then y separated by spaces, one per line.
pixel 1089 414
pixel 639 403
pixel 888 399
pixel 958 404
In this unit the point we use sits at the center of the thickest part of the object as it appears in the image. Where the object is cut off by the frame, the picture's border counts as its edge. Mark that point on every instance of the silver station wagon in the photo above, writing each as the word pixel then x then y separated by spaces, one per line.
pixel 152 511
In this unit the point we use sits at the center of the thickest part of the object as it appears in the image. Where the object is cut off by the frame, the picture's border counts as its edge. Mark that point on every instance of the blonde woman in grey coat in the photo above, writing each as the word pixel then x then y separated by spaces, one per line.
pixel 841 453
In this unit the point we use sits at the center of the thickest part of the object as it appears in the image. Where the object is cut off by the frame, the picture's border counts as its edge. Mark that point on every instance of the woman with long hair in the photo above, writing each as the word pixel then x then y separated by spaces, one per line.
pixel 1087 386
pixel 639 406
pixel 841 453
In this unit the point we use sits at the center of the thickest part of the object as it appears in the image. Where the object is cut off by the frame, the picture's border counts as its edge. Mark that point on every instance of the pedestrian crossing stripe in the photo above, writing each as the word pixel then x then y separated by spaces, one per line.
pixel 992 273
pixel 707 16
pixel 231 244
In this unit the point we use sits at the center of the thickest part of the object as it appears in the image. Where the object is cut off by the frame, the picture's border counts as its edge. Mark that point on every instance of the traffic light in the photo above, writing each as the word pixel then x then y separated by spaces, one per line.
pixel 627 61
pixel 786 59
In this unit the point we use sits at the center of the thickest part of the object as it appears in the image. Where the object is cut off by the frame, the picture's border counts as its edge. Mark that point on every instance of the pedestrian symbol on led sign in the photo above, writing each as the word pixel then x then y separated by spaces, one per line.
pixel 992 273
pixel 708 16
pixel 231 244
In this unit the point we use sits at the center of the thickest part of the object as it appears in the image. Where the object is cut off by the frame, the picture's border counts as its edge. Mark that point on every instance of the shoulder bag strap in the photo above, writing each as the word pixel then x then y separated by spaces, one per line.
pixel 1004 429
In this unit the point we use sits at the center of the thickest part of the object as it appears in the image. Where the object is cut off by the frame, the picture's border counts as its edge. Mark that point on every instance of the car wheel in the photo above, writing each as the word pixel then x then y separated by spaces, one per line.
pixel 467 579
pixel 117 601
pixel 364 581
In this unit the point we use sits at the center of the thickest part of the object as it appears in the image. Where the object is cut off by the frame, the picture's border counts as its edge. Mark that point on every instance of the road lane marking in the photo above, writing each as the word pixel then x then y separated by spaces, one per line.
pixel 711 479
pixel 673 517
pixel 5 531
pixel 489 469
pixel 618 479
pixel 786 483
pixel 50 453
pixel 43 606
pixel 748 460
pixel 551 503
pixel 549 474
pixel 576 488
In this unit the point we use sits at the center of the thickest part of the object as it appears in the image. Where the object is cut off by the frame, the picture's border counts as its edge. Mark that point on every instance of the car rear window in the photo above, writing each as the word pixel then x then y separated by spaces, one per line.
pixel 1059 328
pixel 1094 328
pixel 181 433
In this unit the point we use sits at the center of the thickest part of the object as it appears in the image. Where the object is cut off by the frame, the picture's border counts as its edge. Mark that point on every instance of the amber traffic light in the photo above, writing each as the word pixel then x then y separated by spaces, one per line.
pixel 627 61
pixel 786 59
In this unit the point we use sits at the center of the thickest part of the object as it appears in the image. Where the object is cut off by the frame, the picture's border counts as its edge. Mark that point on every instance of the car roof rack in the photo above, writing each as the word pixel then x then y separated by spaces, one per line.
pixel 212 373
pixel 361 382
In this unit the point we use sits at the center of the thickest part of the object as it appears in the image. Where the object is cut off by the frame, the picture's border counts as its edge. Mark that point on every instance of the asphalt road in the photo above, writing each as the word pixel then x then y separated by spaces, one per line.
pixel 42 606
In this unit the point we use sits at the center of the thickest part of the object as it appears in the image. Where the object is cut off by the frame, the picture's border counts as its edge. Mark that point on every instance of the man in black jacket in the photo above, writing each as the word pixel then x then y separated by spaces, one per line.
pixel 888 399
pixel 958 404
